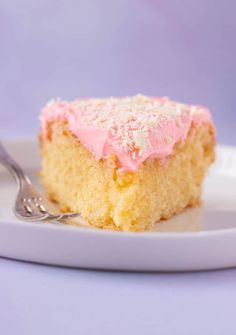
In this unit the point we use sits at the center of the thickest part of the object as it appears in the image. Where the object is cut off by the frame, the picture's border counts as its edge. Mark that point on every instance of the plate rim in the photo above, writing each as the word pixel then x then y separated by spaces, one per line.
pixel 110 233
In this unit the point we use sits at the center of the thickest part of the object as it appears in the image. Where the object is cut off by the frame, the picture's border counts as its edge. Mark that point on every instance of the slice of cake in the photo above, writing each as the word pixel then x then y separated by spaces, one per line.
pixel 125 163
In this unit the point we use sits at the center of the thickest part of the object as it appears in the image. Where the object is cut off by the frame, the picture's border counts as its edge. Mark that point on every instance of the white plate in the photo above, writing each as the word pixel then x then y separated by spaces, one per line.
pixel 198 239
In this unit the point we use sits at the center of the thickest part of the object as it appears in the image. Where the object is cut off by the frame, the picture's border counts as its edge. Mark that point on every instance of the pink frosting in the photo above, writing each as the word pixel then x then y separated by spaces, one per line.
pixel 133 128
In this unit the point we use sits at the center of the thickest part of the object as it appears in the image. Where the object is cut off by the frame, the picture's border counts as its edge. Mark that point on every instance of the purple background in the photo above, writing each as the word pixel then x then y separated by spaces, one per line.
pixel 183 49
pixel 43 300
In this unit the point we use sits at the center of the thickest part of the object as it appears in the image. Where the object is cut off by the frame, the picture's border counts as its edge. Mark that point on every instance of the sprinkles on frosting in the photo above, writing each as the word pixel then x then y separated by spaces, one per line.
pixel 134 128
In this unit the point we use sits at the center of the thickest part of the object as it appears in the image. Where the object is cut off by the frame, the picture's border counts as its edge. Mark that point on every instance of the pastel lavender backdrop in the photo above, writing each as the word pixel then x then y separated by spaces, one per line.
pixel 183 49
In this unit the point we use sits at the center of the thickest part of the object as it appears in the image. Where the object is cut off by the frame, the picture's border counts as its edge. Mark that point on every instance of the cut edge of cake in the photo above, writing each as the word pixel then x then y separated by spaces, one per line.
pixel 128 201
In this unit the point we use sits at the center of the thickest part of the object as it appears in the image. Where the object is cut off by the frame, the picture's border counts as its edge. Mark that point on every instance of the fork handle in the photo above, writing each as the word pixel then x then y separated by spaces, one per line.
pixel 13 166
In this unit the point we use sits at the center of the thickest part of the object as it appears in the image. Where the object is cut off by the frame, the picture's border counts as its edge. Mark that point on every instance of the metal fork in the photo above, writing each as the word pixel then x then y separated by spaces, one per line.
pixel 29 204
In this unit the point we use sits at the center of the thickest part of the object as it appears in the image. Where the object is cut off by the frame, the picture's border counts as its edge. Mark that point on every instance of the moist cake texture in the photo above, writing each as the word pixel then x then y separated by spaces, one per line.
pixel 125 163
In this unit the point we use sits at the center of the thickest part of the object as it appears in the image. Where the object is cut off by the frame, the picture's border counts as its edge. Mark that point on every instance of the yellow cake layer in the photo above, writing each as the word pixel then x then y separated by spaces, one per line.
pixel 129 201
